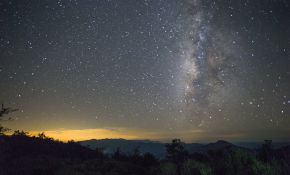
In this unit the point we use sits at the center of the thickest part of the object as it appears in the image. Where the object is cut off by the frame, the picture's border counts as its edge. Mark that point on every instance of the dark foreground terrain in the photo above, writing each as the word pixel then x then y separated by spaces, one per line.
pixel 22 154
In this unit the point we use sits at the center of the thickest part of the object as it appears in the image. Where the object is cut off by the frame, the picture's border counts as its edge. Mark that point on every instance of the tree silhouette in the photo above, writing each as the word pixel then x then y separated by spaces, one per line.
pixel 265 153
pixel 3 130
pixel 20 133
pixel 3 112
pixel 176 153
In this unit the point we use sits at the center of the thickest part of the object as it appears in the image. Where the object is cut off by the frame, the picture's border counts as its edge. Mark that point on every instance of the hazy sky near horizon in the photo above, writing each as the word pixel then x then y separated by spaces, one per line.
pixel 147 69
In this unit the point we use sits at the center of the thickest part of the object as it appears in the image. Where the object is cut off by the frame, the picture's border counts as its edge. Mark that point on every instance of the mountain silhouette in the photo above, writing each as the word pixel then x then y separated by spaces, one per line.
pixel 156 148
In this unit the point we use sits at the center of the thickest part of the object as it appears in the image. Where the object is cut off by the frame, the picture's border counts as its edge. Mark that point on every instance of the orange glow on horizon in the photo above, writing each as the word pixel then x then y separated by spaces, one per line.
pixel 87 134
pixel 130 134
pixel 117 133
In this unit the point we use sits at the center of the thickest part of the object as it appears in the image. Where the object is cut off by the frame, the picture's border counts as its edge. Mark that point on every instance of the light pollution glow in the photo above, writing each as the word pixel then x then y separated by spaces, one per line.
pixel 129 134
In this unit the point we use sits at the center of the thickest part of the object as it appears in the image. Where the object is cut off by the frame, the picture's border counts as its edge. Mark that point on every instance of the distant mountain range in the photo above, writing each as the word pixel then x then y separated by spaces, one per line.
pixel 158 148
pixel 126 146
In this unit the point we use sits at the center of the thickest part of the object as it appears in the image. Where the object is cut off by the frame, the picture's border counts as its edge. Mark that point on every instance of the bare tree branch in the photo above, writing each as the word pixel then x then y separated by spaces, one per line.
pixel 5 111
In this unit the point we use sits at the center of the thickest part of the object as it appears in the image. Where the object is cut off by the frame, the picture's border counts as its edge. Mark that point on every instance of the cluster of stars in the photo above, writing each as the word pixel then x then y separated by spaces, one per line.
pixel 177 65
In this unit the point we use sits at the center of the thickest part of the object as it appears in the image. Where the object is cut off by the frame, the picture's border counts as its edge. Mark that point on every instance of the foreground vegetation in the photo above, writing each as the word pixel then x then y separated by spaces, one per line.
pixel 23 154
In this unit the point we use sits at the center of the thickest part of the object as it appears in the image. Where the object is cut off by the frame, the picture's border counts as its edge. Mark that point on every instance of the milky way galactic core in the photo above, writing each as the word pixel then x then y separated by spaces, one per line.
pixel 197 70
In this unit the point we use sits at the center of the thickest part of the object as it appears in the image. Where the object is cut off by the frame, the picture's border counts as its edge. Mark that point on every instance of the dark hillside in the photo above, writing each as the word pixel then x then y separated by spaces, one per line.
pixel 22 154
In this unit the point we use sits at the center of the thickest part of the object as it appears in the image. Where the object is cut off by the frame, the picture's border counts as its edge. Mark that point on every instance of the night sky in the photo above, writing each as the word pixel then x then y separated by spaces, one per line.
pixel 147 69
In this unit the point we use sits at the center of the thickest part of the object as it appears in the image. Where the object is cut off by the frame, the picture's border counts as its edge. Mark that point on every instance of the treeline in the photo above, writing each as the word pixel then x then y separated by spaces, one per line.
pixel 23 154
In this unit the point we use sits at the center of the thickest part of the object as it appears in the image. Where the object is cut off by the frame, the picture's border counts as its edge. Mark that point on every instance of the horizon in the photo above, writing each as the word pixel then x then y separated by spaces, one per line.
pixel 67 135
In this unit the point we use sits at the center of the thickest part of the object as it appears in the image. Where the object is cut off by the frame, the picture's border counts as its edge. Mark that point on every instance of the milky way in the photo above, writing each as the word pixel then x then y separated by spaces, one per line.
pixel 205 60
pixel 194 69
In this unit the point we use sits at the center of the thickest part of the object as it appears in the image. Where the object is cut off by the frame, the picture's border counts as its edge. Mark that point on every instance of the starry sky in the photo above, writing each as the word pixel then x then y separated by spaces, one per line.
pixel 147 69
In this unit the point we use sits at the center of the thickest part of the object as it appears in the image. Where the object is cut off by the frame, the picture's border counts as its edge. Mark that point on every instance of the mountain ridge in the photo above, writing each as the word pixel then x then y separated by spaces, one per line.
pixel 158 148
